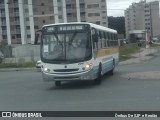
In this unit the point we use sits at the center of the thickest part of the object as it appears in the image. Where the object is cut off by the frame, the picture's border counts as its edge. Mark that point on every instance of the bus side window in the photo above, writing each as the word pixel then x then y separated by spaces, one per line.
pixel 99 40
pixel 105 39
pixel 108 39
pixel 94 38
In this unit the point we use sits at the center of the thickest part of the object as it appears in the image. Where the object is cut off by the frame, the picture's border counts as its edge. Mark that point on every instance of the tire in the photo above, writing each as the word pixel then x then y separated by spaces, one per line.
pixel 111 72
pixel 98 80
pixel 58 83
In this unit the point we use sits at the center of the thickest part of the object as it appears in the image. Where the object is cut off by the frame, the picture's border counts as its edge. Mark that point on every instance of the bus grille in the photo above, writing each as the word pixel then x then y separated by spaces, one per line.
pixel 63 78
pixel 66 70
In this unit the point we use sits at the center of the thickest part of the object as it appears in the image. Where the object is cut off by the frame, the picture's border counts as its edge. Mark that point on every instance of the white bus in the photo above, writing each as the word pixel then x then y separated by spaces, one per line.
pixel 78 51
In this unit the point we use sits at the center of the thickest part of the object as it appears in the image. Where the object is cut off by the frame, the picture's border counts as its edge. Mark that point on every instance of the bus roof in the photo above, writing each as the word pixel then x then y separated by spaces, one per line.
pixel 98 27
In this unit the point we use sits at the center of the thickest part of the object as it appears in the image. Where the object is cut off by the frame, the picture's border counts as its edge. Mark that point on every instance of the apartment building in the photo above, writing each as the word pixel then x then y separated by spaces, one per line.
pixel 20 19
pixel 143 16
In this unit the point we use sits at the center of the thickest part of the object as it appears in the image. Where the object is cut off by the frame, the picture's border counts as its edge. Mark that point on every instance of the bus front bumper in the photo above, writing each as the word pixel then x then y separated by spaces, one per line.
pixel 87 75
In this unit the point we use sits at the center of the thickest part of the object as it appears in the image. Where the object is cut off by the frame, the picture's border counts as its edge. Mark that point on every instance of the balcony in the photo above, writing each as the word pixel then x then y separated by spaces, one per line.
pixel 16 5
pixel 2 6
pixel 18 31
pixel 3 23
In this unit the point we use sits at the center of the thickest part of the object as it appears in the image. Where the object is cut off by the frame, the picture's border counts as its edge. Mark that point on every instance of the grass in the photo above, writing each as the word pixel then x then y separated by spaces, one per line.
pixel 126 50
pixel 14 65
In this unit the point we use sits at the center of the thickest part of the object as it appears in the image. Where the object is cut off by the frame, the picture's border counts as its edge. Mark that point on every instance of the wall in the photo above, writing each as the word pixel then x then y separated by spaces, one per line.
pixel 24 53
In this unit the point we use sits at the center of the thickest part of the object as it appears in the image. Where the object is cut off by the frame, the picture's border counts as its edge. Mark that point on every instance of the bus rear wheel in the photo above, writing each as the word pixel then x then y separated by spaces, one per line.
pixel 98 80
pixel 58 83
pixel 111 72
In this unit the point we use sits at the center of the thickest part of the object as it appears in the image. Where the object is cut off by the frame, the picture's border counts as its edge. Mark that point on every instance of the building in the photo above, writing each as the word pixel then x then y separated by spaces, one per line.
pixel 22 18
pixel 143 16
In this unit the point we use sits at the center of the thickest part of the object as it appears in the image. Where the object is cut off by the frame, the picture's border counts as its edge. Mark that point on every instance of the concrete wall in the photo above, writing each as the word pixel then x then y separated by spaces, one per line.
pixel 24 53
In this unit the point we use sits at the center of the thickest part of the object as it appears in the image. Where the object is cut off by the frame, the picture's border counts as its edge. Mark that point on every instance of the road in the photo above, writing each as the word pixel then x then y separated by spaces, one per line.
pixel 132 88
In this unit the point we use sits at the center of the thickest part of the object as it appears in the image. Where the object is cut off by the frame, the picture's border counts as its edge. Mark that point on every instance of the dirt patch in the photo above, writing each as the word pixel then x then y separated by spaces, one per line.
pixel 143 75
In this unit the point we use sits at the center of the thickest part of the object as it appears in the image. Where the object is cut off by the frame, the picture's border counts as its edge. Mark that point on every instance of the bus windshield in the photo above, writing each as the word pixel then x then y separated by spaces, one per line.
pixel 66 47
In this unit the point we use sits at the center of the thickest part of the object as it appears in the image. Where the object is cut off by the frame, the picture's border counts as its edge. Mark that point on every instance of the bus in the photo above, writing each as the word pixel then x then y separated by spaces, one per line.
pixel 77 51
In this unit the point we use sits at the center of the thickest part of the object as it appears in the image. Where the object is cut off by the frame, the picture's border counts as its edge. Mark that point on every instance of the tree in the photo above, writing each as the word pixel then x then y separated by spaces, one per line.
pixel 117 23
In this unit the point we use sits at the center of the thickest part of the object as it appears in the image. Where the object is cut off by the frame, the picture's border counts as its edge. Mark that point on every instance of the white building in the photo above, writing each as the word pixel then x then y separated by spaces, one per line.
pixel 143 16
pixel 22 18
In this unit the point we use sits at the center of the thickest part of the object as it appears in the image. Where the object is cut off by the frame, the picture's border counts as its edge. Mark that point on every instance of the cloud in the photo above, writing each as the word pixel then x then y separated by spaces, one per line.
pixel 116 8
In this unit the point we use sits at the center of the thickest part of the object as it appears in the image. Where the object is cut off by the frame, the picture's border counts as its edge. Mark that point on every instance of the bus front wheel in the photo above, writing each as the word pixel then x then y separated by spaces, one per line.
pixel 57 83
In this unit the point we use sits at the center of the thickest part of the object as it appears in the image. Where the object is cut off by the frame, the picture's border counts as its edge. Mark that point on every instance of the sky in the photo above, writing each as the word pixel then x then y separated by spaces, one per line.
pixel 117 7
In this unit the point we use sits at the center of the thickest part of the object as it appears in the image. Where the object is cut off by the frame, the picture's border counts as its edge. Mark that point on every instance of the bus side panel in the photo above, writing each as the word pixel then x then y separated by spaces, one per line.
pixel 106 57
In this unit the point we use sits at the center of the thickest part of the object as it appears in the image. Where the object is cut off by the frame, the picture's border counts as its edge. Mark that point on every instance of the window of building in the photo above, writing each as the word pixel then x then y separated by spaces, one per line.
pixel 146 6
pixel 26 10
pixel 93 6
pixel 15 1
pixel 28 36
pixel 60 16
pixel 51 17
pixel 104 17
pixel 44 21
pixel 34 9
pixel 4 36
pixel 36 27
pixel 17 26
pixel 35 18
pixel 28 27
pixel 4 28
pixel 59 8
pixel 146 10
pixel 103 0
pixel 82 5
pixel 103 6
pixel 98 22
pixel 16 18
pixel 103 11
pixel 59 0
pixel 16 9
pixel 93 14
pixel 25 1
pixel 50 8
pixel 42 12
pixel 68 6
pixel 69 15
pixel 42 4
pixel 1 2
pixel 27 19
pixel 18 36
pixel 50 1
pixel 13 36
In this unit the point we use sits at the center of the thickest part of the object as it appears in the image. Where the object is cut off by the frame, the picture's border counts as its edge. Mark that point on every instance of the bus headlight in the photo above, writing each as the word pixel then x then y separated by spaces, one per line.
pixel 89 66
pixel 45 69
